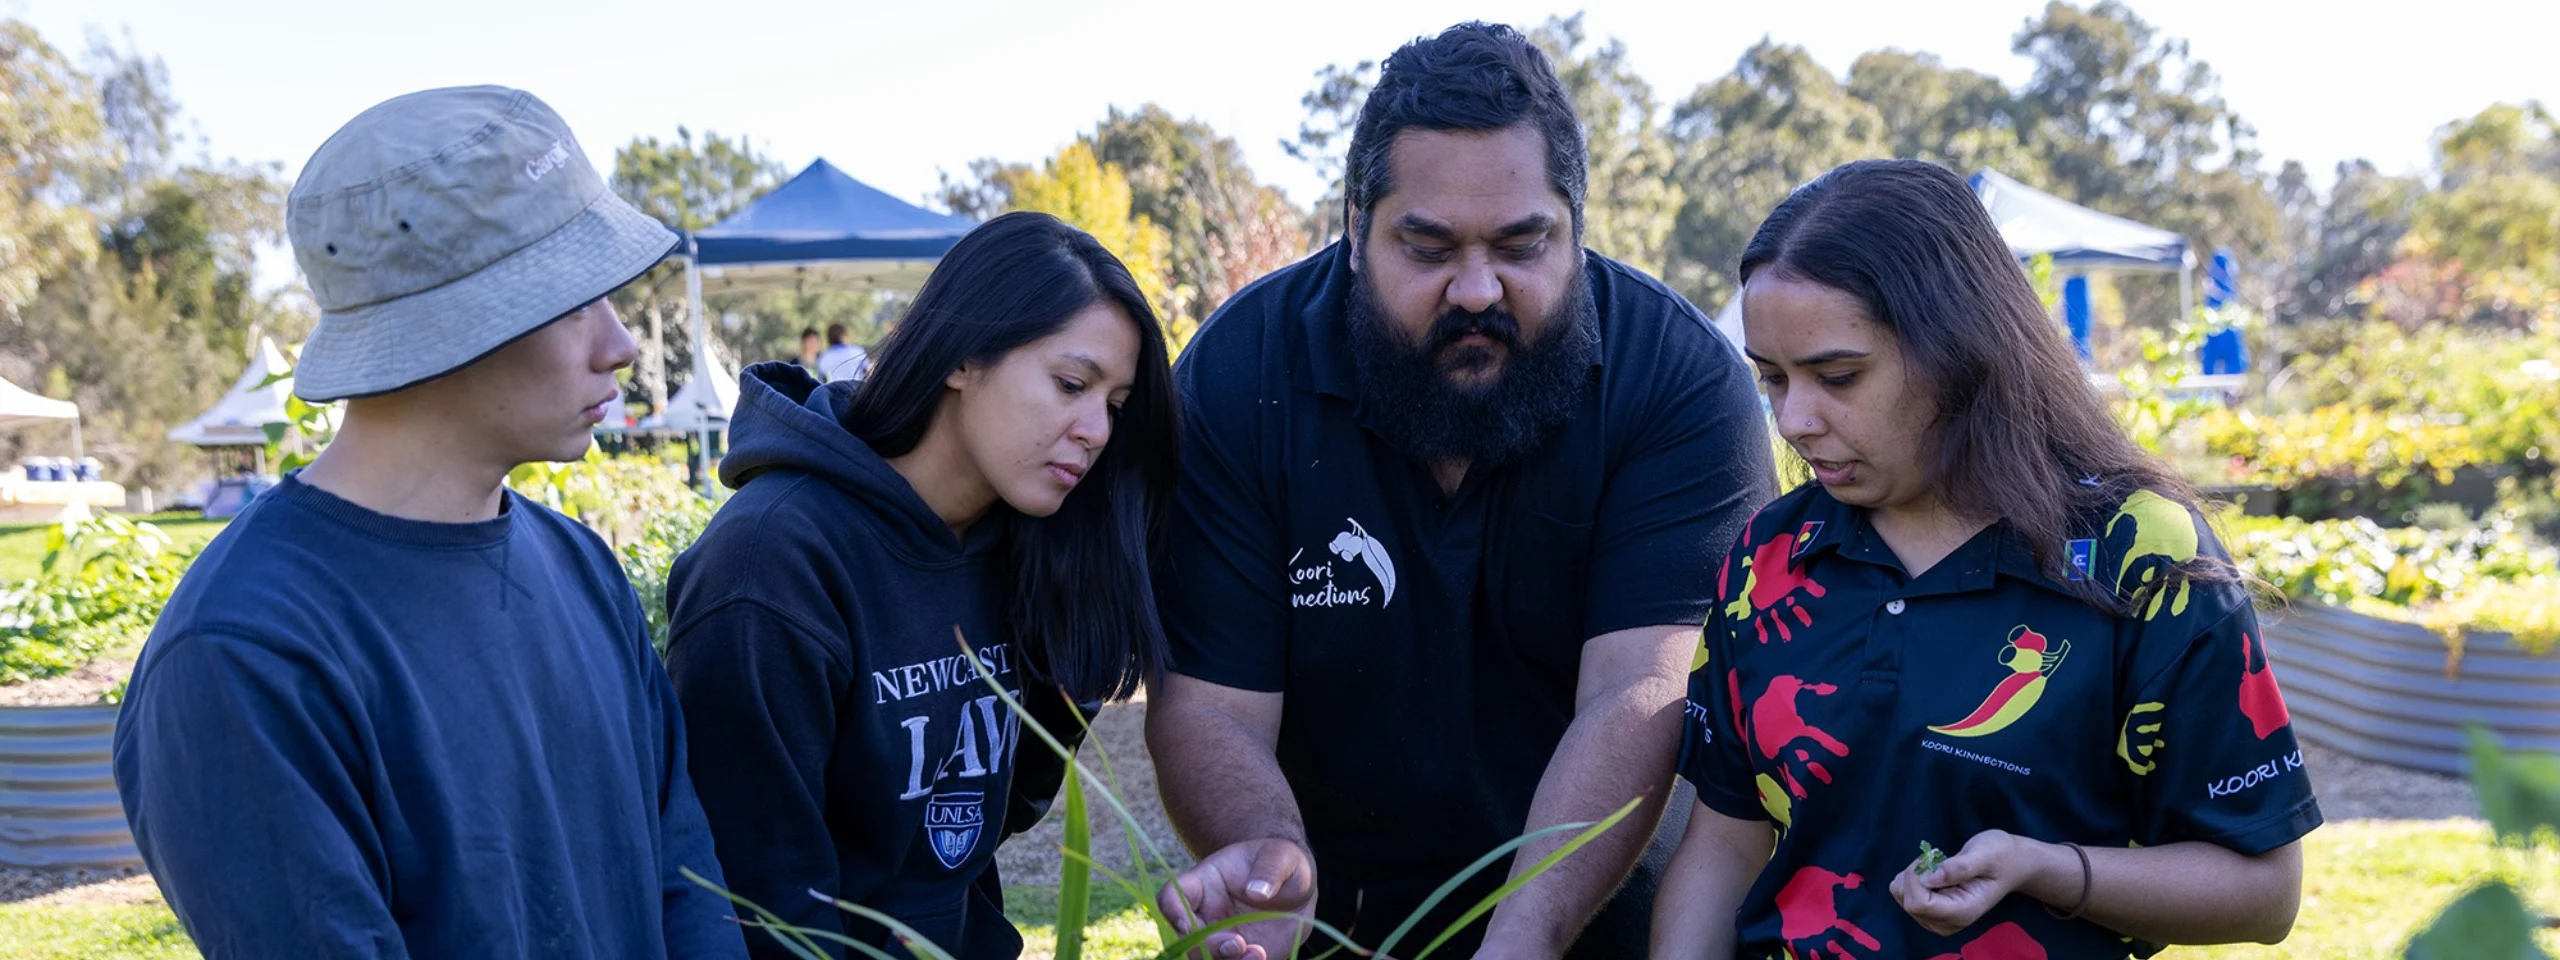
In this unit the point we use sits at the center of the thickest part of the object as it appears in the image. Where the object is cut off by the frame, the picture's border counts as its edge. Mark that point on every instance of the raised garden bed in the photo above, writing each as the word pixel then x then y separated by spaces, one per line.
pixel 58 805
pixel 2393 692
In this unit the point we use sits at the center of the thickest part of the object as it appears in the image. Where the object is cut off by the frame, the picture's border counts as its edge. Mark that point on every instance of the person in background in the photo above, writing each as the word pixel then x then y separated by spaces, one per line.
pixel 811 347
pixel 843 360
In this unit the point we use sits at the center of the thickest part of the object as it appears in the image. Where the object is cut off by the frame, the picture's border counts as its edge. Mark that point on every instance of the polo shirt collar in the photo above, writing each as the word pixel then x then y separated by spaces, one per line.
pixel 1324 322
pixel 1830 526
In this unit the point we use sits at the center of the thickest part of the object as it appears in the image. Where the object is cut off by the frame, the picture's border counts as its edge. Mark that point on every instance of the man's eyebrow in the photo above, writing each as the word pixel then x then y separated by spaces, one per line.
pixel 1531 224
pixel 1422 226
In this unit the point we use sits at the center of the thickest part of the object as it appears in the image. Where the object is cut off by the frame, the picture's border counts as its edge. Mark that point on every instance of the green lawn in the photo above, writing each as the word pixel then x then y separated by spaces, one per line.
pixel 2368 886
pixel 91 933
pixel 1120 929
pixel 22 546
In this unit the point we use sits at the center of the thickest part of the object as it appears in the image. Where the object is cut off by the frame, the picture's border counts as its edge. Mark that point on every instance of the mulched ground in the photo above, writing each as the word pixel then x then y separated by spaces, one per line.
pixel 78 688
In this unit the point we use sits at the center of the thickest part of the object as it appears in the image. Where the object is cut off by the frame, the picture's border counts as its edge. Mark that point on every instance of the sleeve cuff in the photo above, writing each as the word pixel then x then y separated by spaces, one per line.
pixel 2268 834
pixel 1598 623
pixel 1727 802
pixel 1241 678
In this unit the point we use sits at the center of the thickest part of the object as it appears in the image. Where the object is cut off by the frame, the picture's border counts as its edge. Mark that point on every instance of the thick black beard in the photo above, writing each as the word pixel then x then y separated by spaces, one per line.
pixel 1412 404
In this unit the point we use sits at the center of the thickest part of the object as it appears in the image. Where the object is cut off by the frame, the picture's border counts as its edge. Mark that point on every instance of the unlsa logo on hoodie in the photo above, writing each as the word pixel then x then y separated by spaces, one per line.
pixel 1337 582
pixel 952 824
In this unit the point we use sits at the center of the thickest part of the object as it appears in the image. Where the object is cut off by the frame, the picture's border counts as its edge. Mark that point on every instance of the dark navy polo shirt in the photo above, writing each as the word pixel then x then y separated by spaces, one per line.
pixel 1866 712
pixel 1429 644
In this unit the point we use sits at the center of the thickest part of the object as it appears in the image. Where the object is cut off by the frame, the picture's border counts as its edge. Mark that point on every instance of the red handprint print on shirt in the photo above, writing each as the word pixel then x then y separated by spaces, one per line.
pixel 1769 582
pixel 1808 909
pixel 2008 941
pixel 1775 728
pixel 1776 725
pixel 2259 698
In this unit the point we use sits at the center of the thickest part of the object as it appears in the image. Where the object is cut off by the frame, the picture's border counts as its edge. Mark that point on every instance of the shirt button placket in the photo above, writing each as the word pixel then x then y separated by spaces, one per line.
pixel 1883 666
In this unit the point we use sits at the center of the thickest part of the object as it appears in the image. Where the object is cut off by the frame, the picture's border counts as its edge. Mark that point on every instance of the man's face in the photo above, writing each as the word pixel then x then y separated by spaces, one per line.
pixel 541 397
pixel 1470 323
pixel 1473 252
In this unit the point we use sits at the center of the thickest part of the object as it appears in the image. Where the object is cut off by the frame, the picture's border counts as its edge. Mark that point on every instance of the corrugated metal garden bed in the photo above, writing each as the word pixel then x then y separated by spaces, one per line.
pixel 2392 692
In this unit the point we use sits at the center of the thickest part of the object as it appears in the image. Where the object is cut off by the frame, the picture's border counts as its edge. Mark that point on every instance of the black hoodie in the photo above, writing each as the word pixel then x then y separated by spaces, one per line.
pixel 842 742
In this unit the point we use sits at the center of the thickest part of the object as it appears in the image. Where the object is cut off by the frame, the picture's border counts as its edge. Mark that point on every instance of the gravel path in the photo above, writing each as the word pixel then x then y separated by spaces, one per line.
pixel 2352 789
pixel 84 887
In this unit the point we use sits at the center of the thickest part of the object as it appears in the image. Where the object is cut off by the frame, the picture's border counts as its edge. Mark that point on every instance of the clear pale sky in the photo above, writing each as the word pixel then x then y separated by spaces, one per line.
pixel 892 92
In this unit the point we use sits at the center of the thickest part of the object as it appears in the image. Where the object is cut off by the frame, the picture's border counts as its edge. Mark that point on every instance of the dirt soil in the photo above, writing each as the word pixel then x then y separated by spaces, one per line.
pixel 77 688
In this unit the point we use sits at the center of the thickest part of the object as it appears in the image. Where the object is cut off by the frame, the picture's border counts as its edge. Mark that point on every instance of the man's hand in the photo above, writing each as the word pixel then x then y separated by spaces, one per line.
pixel 1251 876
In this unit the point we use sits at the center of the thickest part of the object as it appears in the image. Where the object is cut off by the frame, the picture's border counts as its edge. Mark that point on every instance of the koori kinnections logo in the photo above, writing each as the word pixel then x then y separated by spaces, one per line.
pixel 1318 585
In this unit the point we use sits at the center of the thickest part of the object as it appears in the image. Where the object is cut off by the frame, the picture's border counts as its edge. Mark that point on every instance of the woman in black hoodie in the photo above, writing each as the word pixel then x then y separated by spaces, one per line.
pixel 1000 473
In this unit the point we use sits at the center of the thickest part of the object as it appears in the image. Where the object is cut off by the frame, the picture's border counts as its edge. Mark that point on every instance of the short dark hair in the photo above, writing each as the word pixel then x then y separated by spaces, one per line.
pixel 1472 77
pixel 1081 598
pixel 836 333
pixel 2021 436
pixel 807 332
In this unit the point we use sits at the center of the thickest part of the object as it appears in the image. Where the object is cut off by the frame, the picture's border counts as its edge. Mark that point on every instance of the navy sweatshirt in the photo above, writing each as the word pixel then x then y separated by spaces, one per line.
pixel 849 746
pixel 353 735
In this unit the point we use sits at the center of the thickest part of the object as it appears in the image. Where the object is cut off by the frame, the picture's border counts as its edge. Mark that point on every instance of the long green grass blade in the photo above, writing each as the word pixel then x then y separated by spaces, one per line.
pixel 1137 855
pixel 867 950
pixel 1145 897
pixel 792 938
pixel 1128 821
pixel 1146 902
pixel 1075 880
pixel 848 942
pixel 916 943
pixel 1545 863
pixel 1142 846
pixel 1451 886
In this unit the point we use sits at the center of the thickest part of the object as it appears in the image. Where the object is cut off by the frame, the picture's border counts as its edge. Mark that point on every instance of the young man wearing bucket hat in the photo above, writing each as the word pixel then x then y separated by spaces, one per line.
pixel 396 709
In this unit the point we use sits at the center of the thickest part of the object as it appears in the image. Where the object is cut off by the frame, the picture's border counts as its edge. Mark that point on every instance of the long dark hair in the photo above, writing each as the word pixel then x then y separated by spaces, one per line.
pixel 1081 601
pixel 2020 434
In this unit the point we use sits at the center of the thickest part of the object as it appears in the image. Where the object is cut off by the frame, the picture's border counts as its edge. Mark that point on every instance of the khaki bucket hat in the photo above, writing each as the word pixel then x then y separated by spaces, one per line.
pixel 439 226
